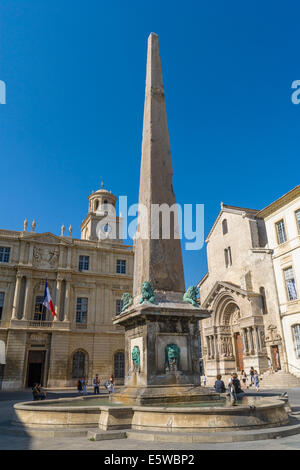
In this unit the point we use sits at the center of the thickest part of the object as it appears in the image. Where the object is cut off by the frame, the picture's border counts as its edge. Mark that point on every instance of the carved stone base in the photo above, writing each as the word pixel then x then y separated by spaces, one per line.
pixel 160 332
pixel 156 395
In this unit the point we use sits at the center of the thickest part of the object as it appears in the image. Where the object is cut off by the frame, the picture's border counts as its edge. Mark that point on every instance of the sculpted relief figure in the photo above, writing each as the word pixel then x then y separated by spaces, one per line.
pixel 226 346
pixel 172 357
pixel 229 347
pixel 53 256
pixel 136 359
pixel 223 347
pixel 37 255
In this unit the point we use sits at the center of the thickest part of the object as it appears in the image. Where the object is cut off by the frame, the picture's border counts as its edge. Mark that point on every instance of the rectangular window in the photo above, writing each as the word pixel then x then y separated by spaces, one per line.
pixel 40 310
pixel 290 284
pixel 121 266
pixel 226 257
pixel 4 254
pixel 229 256
pixel 297 213
pixel 281 234
pixel 84 262
pixel 296 332
pixel 1 303
pixel 82 310
pixel 119 306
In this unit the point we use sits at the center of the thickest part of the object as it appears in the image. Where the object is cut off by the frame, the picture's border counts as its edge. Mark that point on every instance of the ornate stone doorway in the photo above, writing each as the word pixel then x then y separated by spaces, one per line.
pixel 239 356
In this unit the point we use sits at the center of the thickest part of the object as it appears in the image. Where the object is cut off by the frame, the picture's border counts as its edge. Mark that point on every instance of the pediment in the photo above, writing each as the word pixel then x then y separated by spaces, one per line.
pixel 225 286
pixel 46 237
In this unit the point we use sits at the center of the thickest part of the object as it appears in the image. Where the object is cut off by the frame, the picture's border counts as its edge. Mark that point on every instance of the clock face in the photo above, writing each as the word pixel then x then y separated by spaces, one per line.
pixel 106 228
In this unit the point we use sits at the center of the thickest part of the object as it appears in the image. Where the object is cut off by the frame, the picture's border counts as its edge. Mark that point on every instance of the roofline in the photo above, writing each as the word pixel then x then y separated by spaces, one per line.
pixel 203 279
pixel 280 202
pixel 232 209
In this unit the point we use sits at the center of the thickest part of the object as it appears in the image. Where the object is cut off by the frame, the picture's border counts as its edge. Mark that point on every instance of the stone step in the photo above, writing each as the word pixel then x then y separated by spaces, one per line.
pixel 279 380
pixel 106 435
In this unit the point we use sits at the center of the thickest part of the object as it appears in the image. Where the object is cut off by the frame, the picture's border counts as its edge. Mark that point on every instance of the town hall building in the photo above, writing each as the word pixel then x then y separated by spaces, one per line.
pixel 86 278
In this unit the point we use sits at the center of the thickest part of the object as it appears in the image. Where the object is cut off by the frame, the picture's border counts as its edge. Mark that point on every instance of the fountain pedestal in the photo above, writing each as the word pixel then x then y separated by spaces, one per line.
pixel 162 352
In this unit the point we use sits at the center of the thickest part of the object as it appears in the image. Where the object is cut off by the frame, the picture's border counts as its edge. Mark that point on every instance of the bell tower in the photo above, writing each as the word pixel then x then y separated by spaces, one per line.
pixel 101 222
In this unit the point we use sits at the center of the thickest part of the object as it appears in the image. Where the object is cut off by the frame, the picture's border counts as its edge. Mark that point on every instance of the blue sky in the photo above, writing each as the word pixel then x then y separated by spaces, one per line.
pixel 75 77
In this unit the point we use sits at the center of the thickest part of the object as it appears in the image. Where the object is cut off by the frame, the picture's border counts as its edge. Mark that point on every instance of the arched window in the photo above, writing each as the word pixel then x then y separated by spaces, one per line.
pixel 79 365
pixel 96 204
pixel 296 334
pixel 224 226
pixel 119 365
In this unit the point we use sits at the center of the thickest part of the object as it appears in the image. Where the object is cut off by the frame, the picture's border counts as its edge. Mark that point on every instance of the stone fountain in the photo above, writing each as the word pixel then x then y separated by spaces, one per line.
pixel 162 392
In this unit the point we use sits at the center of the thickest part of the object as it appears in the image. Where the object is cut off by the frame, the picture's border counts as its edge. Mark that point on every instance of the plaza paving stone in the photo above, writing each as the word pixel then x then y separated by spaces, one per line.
pixel 15 442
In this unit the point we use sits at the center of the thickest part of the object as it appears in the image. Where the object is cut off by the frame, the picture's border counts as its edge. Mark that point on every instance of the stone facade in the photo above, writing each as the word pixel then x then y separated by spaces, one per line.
pixel 86 278
pixel 240 290
pixel 282 219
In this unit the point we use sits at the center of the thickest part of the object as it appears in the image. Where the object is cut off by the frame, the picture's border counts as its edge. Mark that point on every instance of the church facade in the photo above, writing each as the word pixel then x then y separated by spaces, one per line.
pixel 86 278
pixel 244 329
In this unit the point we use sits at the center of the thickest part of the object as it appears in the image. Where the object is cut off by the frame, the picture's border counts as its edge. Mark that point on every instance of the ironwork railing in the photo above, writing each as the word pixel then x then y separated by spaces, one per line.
pixel 40 324
pixel 81 326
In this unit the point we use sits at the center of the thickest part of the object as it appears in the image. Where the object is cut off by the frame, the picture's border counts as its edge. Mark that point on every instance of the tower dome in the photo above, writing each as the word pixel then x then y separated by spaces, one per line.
pixel 102 201
pixel 101 222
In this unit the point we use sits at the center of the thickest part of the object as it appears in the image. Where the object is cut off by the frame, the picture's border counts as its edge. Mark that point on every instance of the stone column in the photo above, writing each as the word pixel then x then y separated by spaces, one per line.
pixel 16 298
pixel 208 346
pixel 57 299
pixel 67 301
pixel 216 345
pixel 69 258
pixel 251 343
pixel 30 257
pixel 22 252
pixel 245 341
pixel 27 302
pixel 212 346
pixel 256 340
pixel 60 258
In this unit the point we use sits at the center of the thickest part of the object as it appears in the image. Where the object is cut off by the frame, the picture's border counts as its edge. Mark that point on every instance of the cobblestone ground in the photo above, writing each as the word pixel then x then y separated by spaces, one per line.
pixel 11 442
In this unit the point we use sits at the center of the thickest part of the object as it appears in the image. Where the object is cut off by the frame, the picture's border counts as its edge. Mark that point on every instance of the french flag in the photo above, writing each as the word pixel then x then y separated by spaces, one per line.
pixel 48 301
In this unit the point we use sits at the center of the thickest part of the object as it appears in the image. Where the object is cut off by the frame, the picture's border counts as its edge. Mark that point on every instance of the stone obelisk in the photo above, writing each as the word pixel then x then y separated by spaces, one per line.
pixel 161 329
pixel 157 260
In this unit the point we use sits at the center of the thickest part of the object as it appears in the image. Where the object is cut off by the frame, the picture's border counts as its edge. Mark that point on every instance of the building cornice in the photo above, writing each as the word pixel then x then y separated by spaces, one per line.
pixel 279 203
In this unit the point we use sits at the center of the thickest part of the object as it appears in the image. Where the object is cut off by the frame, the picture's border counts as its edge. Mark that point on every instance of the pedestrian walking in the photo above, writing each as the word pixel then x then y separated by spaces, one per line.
pixel 244 378
pixel 85 384
pixel 251 373
pixel 80 386
pixel 204 380
pixel 96 383
pixel 256 380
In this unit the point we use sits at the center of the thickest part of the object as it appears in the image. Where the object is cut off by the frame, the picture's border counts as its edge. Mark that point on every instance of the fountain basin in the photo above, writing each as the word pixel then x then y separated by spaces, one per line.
pixel 90 412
